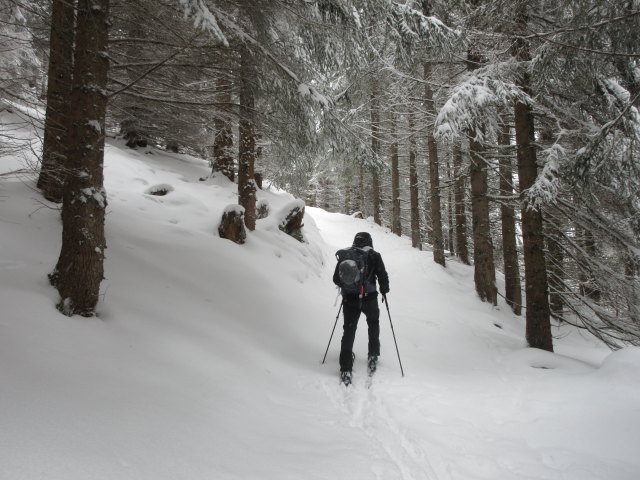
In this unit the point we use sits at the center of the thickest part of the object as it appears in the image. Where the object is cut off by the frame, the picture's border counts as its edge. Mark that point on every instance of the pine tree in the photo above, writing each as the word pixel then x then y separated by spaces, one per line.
pixel 57 124
pixel 434 175
pixel 513 292
pixel 79 270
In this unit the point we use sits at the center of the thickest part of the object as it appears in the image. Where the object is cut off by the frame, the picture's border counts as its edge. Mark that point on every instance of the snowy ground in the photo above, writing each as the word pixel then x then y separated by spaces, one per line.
pixel 205 360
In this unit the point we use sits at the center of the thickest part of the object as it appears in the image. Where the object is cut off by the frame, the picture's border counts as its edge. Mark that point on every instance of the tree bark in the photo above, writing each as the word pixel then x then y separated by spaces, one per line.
pixel 460 206
pixel 416 241
pixel 375 146
pixel 484 265
pixel 361 188
pixel 57 123
pixel 538 324
pixel 223 141
pixel 513 290
pixel 396 222
pixel 451 213
pixel 434 175
pixel 80 266
pixel 555 269
pixel 247 143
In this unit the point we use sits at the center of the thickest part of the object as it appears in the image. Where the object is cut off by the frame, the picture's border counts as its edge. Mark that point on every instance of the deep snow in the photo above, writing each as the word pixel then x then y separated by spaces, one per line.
pixel 204 361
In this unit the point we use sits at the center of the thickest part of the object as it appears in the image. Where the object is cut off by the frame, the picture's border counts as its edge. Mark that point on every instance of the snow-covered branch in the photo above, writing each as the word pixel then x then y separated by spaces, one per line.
pixel 204 19
pixel 475 104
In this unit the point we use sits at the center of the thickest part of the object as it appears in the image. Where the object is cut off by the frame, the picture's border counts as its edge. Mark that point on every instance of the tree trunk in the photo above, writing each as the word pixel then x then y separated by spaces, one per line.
pixel 538 328
pixel 434 175
pixel 361 188
pixel 513 291
pixel 375 146
pixel 247 143
pixel 555 269
pixel 57 123
pixel 347 197
pixel 460 205
pixel 451 213
pixel 484 265
pixel 80 267
pixel 223 141
pixel 396 222
pixel 416 241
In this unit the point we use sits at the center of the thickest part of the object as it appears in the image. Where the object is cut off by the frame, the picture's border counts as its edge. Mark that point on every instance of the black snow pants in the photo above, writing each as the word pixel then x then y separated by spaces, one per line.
pixel 352 310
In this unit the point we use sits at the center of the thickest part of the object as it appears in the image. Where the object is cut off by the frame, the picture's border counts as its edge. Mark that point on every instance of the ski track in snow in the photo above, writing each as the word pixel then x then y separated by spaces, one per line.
pixel 366 412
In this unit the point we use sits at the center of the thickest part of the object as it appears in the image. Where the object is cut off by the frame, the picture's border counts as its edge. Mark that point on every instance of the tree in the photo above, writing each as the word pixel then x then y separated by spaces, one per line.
pixel 60 75
pixel 247 143
pixel 513 292
pixel 483 262
pixel 460 205
pixel 396 219
pixel 376 149
pixel 79 270
pixel 434 174
pixel 416 240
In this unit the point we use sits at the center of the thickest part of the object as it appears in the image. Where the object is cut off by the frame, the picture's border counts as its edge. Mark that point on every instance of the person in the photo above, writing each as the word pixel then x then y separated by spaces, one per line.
pixel 353 306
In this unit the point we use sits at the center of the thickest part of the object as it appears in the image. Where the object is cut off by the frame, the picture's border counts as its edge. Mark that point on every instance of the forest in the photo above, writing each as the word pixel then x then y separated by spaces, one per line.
pixel 499 134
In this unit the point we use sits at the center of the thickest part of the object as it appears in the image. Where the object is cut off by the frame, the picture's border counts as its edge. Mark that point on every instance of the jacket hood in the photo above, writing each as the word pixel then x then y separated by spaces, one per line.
pixel 363 239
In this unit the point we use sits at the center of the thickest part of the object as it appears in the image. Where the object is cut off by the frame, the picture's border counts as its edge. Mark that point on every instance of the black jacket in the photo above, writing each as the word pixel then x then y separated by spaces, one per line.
pixel 375 271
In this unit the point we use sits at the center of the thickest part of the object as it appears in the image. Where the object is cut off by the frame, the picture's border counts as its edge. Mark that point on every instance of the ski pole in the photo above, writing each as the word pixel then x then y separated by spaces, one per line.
pixel 331 337
pixel 385 300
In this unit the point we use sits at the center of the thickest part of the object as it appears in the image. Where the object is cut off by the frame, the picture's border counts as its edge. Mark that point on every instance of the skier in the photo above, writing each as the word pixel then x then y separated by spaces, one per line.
pixel 366 302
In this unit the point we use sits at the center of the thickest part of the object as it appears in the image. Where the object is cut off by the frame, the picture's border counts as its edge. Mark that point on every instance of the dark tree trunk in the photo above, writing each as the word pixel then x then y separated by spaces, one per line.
pixel 247 143
pixel 451 214
pixel 460 206
pixel 347 198
pixel 434 175
pixel 513 290
pixel 223 141
pixel 484 265
pixel 396 222
pixel 416 241
pixel 555 269
pixel 538 328
pixel 80 267
pixel 375 146
pixel 361 188
pixel 57 123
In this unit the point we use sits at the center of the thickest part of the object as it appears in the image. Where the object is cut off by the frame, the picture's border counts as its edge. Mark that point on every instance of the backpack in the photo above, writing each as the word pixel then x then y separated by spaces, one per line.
pixel 353 269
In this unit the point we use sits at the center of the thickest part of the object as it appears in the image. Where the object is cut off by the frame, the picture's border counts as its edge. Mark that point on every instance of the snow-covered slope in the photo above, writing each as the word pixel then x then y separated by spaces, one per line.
pixel 205 360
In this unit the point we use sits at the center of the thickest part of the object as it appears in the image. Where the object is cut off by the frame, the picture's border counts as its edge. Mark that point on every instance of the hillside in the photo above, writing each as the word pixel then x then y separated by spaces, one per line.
pixel 205 359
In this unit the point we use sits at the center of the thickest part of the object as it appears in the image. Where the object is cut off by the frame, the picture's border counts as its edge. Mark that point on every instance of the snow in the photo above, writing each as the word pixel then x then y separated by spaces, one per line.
pixel 205 359
pixel 95 124
pixel 203 19
pixel 308 91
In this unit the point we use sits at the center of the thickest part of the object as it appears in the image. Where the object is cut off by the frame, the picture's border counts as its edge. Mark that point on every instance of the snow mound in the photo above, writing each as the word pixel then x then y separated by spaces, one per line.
pixel 622 366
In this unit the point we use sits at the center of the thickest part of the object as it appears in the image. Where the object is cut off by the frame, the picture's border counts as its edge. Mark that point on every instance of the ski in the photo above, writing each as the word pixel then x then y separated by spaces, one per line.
pixel 372 365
